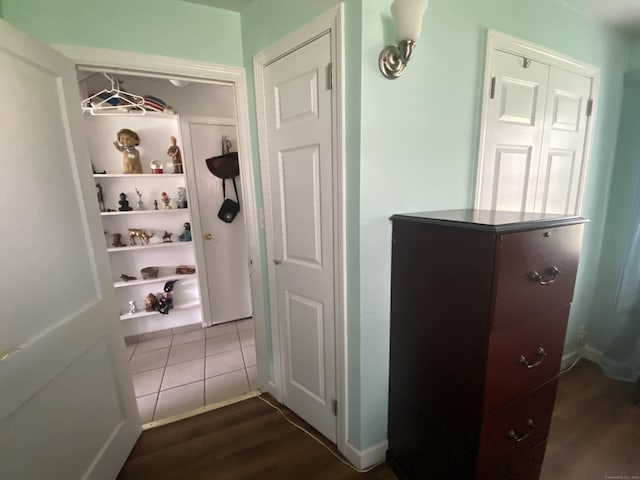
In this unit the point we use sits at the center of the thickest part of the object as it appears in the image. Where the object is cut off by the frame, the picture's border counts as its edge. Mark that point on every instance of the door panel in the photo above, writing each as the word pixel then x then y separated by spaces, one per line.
pixel 66 393
pixel 514 123
pixel 298 107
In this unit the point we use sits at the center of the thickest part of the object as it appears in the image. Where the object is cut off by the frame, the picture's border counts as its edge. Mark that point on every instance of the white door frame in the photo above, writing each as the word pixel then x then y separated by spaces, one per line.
pixel 516 46
pixel 155 66
pixel 331 21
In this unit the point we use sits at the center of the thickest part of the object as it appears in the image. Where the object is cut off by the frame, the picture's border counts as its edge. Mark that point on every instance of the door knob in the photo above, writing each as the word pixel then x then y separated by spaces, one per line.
pixel 208 236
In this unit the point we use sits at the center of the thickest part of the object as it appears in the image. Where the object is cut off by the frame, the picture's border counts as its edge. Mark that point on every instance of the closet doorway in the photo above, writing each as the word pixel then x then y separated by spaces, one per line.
pixel 189 359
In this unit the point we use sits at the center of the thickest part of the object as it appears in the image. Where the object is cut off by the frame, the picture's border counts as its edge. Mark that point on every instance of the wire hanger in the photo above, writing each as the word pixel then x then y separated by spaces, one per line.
pixel 113 101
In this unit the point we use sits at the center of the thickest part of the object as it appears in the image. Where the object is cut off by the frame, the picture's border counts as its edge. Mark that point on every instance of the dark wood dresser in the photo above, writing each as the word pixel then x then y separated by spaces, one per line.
pixel 479 308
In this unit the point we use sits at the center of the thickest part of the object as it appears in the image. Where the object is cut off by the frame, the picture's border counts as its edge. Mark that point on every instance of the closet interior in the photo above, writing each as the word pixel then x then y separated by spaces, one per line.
pixel 180 270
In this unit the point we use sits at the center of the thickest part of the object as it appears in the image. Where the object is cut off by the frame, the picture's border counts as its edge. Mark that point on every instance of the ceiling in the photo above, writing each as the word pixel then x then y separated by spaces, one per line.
pixel 623 14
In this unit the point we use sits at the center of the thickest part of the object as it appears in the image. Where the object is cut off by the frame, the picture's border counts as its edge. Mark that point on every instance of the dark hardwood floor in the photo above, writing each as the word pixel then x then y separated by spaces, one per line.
pixel 595 435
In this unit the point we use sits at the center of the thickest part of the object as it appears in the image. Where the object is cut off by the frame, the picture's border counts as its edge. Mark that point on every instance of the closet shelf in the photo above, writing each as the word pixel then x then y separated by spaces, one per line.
pixel 146 247
pixel 184 306
pixel 164 278
pixel 161 211
pixel 136 175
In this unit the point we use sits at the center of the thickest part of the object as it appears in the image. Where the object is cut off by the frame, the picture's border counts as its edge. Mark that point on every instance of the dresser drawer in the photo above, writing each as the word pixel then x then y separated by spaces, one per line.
pixel 534 272
pixel 524 356
pixel 517 426
pixel 525 466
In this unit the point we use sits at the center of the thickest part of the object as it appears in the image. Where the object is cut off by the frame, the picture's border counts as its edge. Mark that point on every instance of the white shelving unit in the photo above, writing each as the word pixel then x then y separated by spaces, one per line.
pixel 154 132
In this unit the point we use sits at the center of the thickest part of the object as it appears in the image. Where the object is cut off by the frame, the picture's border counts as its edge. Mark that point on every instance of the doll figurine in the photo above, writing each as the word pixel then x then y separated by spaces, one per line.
pixel 185 236
pixel 126 142
pixel 176 156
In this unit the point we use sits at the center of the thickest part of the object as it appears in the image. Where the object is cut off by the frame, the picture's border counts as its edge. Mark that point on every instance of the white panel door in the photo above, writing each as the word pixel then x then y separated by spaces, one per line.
pixel 299 117
pixel 514 126
pixel 226 281
pixel 67 408
pixel 562 159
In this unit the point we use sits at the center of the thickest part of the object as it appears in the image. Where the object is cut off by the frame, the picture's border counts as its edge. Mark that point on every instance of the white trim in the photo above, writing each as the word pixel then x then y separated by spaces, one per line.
pixel 368 457
pixel 569 359
pixel 331 21
pixel 97 59
pixel 509 44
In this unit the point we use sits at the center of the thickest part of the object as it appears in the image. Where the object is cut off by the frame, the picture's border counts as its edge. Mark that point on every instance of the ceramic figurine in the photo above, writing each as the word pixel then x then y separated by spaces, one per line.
pixel 185 236
pixel 126 142
pixel 139 204
pixel 151 302
pixel 124 203
pixel 132 307
pixel 166 200
pixel 182 198
pixel 165 302
pixel 176 156
pixel 100 198
pixel 125 278
pixel 155 204
pixel 166 238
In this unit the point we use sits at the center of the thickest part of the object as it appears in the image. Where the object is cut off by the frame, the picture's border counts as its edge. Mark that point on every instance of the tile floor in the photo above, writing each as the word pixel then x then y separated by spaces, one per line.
pixel 183 371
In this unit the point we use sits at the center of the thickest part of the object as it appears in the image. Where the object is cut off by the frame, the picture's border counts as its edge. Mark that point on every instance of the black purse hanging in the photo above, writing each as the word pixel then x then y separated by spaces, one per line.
pixel 229 208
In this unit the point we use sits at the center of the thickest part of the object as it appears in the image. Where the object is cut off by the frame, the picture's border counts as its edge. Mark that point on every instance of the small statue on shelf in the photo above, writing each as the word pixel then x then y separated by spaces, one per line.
pixel 176 156
pixel 151 302
pixel 117 240
pixel 100 198
pixel 155 204
pixel 125 278
pixel 126 142
pixel 124 203
pixel 139 204
pixel 166 238
pixel 182 198
pixel 166 200
pixel 185 236
pixel 165 302
pixel 132 307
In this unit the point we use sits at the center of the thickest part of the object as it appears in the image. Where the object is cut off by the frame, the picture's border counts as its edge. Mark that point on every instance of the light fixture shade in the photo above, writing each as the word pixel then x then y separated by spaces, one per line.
pixel 407 15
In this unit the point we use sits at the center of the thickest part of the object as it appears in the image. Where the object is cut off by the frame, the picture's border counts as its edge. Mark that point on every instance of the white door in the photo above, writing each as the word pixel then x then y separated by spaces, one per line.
pixel 514 126
pixel 225 245
pixel 535 127
pixel 67 408
pixel 299 121
pixel 562 157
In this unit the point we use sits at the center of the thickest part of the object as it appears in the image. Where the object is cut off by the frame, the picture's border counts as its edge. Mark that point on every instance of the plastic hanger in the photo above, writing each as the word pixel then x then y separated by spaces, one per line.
pixel 113 101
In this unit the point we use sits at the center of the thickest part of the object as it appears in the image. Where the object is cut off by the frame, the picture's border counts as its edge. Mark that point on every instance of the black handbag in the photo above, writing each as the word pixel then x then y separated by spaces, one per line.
pixel 229 208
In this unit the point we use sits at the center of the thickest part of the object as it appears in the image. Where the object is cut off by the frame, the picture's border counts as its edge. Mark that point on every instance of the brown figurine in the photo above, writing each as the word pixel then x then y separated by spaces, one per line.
pixel 126 142
pixel 100 198
pixel 151 302
pixel 176 156
pixel 117 240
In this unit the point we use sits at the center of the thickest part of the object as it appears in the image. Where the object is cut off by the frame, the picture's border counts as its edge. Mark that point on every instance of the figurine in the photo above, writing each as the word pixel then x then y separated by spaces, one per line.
pixel 141 234
pixel 151 302
pixel 125 278
pixel 185 236
pixel 100 198
pixel 139 204
pixel 132 307
pixel 176 156
pixel 124 203
pixel 155 204
pixel 182 198
pixel 165 303
pixel 126 142
pixel 166 238
pixel 117 240
pixel 166 200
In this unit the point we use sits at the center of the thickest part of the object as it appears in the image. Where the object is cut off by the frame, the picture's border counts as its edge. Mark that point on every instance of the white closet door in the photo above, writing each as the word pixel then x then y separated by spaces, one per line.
pixel 562 162
pixel 514 122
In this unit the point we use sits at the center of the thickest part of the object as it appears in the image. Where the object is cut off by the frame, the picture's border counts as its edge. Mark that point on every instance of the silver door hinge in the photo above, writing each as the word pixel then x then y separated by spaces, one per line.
pixel 329 76
pixel 334 407
pixel 589 107
pixel 492 94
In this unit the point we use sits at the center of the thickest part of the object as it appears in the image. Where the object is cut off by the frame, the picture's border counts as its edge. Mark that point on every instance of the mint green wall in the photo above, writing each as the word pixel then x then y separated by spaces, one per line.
pixel 160 27
pixel 419 146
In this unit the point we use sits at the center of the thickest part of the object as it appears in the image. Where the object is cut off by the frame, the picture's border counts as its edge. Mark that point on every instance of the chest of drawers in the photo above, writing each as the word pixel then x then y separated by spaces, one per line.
pixel 479 308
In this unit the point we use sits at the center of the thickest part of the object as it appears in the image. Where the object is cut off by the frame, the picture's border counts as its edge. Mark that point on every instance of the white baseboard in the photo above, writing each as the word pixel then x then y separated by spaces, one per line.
pixel 569 359
pixel 368 457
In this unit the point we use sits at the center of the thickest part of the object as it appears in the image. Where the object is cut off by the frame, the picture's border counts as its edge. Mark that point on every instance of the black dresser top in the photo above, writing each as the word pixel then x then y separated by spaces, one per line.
pixel 491 220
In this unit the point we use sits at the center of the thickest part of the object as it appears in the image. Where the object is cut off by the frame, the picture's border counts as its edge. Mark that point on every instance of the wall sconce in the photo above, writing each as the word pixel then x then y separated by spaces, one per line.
pixel 407 16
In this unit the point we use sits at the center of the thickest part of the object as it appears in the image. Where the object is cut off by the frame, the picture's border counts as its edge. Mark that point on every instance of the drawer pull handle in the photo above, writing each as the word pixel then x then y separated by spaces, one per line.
pixel 520 438
pixel 536 277
pixel 540 353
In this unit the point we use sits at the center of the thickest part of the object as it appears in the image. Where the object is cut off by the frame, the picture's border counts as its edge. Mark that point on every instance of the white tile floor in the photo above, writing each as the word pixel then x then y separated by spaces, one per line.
pixel 181 372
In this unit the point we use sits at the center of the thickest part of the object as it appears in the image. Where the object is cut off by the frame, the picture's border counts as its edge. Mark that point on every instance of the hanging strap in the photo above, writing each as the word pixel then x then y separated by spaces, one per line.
pixel 235 188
